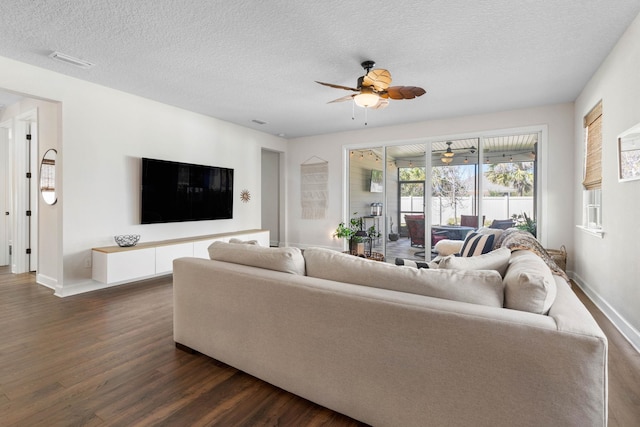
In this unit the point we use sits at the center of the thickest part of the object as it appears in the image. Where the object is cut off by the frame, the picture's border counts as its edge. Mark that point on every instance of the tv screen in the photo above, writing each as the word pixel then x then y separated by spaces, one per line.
pixel 376 181
pixel 173 192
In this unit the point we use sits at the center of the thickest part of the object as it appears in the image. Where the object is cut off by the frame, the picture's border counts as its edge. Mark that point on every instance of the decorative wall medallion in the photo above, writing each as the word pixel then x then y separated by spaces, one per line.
pixel 245 196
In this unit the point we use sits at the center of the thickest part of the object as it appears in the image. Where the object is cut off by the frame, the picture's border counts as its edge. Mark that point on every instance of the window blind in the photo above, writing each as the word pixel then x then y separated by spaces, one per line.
pixel 593 156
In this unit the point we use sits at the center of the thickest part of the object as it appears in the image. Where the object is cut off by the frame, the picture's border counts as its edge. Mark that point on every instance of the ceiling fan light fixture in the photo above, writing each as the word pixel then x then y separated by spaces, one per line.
pixel 447 160
pixel 449 152
pixel 366 99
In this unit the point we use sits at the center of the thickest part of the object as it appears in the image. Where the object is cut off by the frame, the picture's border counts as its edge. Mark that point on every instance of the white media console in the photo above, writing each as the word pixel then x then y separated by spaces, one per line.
pixel 115 265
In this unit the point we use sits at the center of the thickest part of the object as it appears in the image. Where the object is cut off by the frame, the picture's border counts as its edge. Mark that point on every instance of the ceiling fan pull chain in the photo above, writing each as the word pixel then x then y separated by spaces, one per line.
pixel 365 115
pixel 353 110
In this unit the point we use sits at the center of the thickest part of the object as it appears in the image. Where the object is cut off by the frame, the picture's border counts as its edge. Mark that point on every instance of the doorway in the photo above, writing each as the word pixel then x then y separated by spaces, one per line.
pixel 271 200
pixel 19 194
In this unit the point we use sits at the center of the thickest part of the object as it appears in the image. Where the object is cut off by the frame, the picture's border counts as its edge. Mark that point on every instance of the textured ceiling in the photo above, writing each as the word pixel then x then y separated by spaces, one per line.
pixel 248 60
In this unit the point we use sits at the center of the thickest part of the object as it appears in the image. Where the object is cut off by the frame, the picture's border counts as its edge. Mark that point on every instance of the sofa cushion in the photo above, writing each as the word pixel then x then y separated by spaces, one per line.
pixel 243 242
pixel 287 260
pixel 528 283
pixel 474 286
pixel 477 244
pixel 495 260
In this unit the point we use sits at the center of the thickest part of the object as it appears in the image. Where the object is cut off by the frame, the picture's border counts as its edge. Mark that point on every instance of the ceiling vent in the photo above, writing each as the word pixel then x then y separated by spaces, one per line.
pixel 67 59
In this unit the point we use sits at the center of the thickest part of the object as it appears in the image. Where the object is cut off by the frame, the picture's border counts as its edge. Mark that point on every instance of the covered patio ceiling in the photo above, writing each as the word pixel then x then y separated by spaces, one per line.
pixel 496 149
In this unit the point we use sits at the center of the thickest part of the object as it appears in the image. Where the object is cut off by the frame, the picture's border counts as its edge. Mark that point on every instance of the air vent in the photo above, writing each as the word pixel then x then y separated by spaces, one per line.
pixel 67 59
pixel 259 122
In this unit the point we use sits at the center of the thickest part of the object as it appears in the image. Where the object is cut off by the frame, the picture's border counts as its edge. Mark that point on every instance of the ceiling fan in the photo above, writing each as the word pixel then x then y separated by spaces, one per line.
pixel 373 89
pixel 447 155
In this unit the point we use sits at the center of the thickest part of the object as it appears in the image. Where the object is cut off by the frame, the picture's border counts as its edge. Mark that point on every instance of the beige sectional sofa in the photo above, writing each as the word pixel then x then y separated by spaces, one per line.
pixel 397 346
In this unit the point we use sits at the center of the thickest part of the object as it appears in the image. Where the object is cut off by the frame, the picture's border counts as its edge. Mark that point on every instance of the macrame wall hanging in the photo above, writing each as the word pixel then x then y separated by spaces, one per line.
pixel 314 188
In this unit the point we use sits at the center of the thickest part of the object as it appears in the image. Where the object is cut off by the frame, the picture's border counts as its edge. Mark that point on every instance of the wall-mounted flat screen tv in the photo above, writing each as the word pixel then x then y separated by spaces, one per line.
pixel 173 192
pixel 376 181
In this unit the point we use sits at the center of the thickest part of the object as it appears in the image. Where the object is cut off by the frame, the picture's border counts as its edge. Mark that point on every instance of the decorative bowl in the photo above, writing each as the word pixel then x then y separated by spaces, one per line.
pixel 125 240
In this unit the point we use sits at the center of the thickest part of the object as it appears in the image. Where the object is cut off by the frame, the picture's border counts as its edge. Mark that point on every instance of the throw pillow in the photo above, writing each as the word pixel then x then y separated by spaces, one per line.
pixel 495 260
pixel 287 260
pixel 483 287
pixel 477 244
pixel 528 283
pixel 447 247
pixel 495 231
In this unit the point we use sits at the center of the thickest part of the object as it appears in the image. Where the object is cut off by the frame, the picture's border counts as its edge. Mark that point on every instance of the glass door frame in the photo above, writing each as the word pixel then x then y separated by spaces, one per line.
pixel 540 183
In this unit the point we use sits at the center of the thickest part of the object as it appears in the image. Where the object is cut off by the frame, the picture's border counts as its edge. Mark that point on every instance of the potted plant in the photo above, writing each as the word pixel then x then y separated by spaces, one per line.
pixel 524 222
pixel 353 232
pixel 392 236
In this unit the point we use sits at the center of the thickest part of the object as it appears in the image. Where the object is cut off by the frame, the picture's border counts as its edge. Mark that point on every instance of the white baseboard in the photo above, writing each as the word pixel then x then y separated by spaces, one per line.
pixel 47 281
pixel 627 330
pixel 93 285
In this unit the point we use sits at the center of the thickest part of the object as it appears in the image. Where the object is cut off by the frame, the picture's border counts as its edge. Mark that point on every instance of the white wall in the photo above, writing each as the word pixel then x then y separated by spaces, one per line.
pixel 608 268
pixel 557 172
pixel 104 134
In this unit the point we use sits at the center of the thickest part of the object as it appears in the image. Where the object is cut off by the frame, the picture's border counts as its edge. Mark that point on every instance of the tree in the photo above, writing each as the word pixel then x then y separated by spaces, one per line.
pixel 412 174
pixel 448 183
pixel 517 175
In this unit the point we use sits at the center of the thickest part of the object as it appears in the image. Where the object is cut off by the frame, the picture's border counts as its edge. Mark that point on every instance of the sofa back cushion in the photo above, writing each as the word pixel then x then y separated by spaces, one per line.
pixel 287 260
pixel 495 260
pixel 528 283
pixel 474 286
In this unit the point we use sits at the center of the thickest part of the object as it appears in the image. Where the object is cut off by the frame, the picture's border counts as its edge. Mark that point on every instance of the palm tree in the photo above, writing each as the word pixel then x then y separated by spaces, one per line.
pixel 517 175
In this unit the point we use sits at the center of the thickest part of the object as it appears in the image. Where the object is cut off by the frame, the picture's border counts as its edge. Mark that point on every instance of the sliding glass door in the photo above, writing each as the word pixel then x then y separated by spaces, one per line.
pixel 418 193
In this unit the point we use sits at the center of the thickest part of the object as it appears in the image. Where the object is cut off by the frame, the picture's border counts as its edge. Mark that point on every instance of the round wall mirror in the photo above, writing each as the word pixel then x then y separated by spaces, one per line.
pixel 48 177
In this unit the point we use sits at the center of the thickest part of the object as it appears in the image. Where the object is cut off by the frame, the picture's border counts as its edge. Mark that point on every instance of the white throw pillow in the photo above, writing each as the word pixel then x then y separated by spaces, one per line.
pixel 495 260
pixel 528 283
pixel 447 247
pixel 287 260
pixel 483 287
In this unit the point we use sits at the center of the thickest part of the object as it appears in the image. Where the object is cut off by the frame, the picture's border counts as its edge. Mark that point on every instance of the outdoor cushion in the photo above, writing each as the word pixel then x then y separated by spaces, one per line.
pixel 477 244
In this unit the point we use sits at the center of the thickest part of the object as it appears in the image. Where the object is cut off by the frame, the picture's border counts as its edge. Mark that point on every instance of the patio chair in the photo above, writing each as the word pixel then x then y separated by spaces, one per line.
pixel 502 224
pixel 471 221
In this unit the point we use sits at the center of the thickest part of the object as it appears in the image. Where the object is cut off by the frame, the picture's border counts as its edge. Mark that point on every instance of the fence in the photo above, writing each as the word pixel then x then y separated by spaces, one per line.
pixel 492 207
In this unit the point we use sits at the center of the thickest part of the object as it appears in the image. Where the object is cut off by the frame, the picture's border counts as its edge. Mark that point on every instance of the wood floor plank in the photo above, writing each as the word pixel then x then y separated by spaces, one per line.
pixel 107 358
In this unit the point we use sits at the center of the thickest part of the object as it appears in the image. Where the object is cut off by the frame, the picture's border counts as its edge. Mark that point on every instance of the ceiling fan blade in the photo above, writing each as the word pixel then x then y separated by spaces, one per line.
pixel 405 92
pixel 382 103
pixel 380 79
pixel 337 86
pixel 344 98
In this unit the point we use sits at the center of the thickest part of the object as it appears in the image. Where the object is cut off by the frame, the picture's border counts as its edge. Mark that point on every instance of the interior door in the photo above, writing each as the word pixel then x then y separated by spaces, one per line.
pixel 5 194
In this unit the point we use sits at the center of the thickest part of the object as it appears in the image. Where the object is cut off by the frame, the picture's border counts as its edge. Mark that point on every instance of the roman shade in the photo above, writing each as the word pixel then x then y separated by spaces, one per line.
pixel 593 156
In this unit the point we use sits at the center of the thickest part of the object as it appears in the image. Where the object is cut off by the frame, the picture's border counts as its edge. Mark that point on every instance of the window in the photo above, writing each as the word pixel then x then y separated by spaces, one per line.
pixel 592 197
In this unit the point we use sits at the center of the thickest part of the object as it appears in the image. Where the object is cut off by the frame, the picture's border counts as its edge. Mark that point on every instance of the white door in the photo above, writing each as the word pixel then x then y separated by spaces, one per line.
pixel 5 191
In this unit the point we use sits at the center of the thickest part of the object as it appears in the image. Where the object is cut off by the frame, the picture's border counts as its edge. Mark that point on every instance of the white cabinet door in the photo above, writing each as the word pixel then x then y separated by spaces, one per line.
pixel 166 254
pixel 130 265
pixel 201 247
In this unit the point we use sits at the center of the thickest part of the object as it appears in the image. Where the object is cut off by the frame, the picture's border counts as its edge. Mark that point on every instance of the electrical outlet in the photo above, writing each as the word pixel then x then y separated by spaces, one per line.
pixel 87 262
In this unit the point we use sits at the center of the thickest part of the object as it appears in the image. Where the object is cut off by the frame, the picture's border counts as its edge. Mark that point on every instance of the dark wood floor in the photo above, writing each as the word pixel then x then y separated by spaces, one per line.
pixel 108 358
